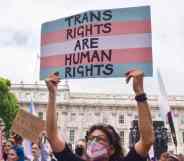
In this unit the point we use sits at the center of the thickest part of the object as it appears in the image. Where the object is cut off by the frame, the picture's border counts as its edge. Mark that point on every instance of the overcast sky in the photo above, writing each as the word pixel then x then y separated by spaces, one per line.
pixel 20 25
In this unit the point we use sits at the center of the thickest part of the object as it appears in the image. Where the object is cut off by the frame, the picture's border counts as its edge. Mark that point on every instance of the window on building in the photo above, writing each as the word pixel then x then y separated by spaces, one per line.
pixel 40 115
pixel 65 113
pixel 182 120
pixel 97 113
pixel 121 119
pixel 136 117
pixel 27 93
pixel 57 115
pixel 72 136
pixel 42 94
pixel 113 114
pixel 73 116
pixel 105 120
pixel 81 114
pixel 121 133
pixel 153 116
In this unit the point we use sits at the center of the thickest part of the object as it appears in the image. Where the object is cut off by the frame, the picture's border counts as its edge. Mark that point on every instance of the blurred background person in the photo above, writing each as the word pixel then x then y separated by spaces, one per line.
pixel 14 154
pixel 6 147
pixel 80 148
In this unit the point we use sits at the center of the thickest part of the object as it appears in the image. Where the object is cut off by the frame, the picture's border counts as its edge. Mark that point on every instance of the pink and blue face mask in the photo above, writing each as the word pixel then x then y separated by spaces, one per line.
pixel 97 151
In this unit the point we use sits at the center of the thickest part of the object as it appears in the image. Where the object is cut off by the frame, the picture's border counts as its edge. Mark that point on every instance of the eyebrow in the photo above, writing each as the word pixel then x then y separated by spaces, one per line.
pixel 97 135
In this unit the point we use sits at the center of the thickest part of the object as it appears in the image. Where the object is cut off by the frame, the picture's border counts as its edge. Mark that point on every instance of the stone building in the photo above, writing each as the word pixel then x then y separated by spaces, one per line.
pixel 77 111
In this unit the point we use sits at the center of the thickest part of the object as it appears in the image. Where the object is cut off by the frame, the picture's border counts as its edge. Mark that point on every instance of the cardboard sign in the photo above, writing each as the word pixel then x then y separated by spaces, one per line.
pixel 28 126
pixel 99 43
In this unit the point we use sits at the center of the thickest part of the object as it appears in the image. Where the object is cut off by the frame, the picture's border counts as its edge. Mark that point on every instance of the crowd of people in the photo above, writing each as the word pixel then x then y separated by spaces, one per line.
pixel 101 143
pixel 15 150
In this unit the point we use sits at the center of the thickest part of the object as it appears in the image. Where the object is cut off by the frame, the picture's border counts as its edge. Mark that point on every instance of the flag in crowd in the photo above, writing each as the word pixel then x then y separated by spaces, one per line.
pixel 162 99
pixel 165 109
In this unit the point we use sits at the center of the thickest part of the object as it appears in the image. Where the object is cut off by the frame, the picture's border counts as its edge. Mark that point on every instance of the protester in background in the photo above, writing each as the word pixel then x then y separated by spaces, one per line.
pixel 70 146
pixel 166 156
pixel 19 147
pixel 6 147
pixel 40 151
pixel 12 138
pixel 80 148
pixel 100 145
pixel 14 154
pixel 36 153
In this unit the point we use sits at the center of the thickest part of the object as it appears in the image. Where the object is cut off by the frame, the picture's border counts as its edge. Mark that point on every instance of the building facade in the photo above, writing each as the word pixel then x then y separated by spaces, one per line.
pixel 77 111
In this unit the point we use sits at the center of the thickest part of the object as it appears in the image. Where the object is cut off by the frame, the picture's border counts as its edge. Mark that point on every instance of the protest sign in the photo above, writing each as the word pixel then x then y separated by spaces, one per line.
pixel 99 43
pixel 28 126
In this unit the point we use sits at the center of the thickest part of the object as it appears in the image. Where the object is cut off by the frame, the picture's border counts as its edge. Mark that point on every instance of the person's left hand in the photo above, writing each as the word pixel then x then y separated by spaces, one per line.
pixel 137 76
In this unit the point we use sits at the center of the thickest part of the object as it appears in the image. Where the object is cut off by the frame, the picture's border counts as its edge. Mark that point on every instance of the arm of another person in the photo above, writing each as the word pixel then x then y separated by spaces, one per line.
pixel 145 122
pixel 56 141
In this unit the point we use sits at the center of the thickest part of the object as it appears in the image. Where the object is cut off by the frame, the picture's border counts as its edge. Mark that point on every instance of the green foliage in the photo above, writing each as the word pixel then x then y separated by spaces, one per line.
pixel 8 104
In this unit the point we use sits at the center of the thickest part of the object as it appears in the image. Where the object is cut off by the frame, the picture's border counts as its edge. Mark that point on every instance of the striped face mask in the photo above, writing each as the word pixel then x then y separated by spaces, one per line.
pixel 97 151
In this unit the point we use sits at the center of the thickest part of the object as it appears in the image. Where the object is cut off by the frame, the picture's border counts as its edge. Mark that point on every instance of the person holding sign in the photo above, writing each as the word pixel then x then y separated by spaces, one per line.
pixel 102 141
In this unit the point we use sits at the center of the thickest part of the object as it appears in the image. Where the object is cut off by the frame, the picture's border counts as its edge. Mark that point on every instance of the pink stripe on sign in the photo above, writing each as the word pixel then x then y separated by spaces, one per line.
pixel 52 61
pixel 119 56
pixel 117 28
pixel 131 27
pixel 51 37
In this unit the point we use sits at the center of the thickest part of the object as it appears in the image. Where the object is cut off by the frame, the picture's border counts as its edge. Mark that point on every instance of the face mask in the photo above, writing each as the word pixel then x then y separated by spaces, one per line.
pixel 79 150
pixel 96 151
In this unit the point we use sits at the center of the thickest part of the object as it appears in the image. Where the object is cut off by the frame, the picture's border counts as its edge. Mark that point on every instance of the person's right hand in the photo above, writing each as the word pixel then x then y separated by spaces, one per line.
pixel 52 82
pixel 42 138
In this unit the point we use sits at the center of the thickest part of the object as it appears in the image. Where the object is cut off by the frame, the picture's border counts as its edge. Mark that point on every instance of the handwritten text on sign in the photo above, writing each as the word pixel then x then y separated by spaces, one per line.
pixel 28 126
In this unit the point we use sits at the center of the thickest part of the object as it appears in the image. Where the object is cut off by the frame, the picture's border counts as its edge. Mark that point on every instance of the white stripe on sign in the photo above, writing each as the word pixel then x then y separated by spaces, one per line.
pixel 104 42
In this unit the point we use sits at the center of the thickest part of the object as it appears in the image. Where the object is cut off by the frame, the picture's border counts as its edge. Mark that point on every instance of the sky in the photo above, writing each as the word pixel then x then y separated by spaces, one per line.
pixel 20 28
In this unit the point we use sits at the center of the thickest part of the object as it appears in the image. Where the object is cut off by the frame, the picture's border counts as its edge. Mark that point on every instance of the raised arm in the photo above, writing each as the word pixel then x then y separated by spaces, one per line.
pixel 145 122
pixel 56 141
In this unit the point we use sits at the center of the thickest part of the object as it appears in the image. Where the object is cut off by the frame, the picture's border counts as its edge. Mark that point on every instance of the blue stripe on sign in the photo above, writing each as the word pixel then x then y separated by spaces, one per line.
pixel 121 14
pixel 44 73
pixel 119 70
pixel 132 14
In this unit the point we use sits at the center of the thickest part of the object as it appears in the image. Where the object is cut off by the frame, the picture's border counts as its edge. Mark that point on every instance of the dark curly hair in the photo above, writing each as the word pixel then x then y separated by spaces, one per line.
pixel 113 137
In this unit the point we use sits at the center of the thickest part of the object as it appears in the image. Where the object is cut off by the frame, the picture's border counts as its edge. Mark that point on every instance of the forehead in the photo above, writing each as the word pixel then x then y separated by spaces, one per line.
pixel 98 132
pixel 35 146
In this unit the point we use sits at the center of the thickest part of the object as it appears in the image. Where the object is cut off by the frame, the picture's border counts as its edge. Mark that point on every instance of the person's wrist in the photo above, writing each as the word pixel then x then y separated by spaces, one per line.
pixel 141 97
pixel 52 94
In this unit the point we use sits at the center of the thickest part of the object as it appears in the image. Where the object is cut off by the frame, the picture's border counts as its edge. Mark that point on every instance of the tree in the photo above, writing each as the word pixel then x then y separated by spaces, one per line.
pixel 8 104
